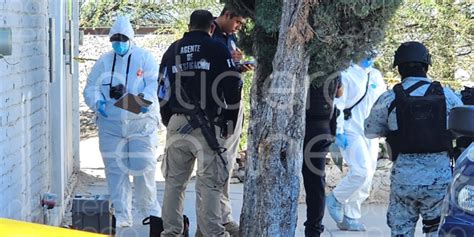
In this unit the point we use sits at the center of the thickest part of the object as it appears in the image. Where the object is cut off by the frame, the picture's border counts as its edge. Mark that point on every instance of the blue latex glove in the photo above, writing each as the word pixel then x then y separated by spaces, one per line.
pixel 341 140
pixel 144 109
pixel 100 104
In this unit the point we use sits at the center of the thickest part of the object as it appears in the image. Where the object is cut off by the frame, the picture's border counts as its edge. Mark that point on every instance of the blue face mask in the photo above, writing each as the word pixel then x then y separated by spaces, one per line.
pixel 366 62
pixel 121 48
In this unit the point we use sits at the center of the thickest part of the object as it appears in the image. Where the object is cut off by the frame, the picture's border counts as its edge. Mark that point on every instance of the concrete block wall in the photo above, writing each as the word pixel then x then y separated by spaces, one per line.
pixel 24 111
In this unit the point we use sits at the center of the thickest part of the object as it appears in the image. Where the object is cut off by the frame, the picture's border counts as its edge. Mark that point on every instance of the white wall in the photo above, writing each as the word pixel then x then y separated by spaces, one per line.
pixel 24 89
pixel 26 141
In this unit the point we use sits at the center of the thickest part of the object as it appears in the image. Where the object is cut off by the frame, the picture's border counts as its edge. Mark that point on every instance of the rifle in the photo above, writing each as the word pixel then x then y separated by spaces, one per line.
pixel 197 118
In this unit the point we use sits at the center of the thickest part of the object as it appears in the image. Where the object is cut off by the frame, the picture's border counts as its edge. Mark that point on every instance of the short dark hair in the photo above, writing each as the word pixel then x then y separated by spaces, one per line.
pixel 119 37
pixel 232 13
pixel 201 20
pixel 413 69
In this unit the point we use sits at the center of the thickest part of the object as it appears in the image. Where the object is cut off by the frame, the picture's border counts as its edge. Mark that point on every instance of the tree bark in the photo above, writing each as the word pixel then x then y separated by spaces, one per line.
pixel 276 133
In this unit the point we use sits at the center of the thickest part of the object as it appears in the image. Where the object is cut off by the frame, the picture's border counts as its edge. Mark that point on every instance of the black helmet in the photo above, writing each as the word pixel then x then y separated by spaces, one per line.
pixel 411 51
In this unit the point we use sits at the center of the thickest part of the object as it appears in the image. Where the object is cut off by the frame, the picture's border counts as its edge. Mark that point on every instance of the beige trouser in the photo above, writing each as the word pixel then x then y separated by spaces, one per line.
pixel 232 146
pixel 212 175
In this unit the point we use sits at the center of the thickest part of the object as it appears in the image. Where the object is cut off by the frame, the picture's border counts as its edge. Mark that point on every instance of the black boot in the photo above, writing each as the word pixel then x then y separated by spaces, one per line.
pixel 313 230
pixel 185 226
pixel 156 225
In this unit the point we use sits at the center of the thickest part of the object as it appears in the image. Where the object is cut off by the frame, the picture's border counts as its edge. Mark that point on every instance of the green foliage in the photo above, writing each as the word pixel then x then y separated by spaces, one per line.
pixel 182 10
pixel 260 35
pixel 344 30
pixel 268 16
pixel 102 13
pixel 247 78
pixel 446 29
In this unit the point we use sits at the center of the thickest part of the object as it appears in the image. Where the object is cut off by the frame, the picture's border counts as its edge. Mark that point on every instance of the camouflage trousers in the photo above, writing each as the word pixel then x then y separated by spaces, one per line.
pixel 408 202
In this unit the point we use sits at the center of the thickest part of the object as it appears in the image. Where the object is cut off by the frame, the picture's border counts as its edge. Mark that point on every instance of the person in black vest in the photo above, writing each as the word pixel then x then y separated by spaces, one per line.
pixel 413 118
pixel 319 135
pixel 197 72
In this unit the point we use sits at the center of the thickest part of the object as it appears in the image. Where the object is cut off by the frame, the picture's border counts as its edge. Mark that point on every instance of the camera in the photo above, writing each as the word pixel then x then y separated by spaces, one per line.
pixel 117 91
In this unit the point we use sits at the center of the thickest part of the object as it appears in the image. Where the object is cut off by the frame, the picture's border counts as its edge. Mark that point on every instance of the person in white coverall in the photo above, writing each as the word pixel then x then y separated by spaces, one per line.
pixel 127 141
pixel 364 84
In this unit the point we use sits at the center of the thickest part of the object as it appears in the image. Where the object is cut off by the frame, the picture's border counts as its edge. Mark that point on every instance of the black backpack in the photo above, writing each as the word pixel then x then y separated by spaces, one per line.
pixel 421 120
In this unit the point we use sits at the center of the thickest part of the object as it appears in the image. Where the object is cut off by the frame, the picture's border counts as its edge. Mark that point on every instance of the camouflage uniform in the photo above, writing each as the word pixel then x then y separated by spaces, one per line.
pixel 418 181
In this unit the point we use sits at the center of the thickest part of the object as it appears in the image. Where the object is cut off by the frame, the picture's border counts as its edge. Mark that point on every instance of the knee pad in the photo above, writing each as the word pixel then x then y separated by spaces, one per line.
pixel 431 225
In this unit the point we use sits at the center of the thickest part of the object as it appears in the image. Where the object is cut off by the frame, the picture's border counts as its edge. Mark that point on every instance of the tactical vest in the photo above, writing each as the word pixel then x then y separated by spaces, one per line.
pixel 421 120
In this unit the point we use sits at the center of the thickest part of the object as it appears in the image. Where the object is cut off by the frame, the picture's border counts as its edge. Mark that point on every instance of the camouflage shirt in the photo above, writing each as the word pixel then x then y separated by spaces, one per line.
pixel 411 169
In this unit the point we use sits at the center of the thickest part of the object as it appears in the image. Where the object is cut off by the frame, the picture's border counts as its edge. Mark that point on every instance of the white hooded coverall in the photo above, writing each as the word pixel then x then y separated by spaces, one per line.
pixel 128 141
pixel 362 153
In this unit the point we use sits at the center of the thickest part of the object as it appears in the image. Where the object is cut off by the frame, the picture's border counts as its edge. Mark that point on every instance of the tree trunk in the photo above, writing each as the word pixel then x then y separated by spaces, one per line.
pixel 276 133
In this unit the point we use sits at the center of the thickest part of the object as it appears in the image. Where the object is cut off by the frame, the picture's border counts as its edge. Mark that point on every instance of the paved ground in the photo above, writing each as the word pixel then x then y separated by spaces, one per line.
pixel 92 166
